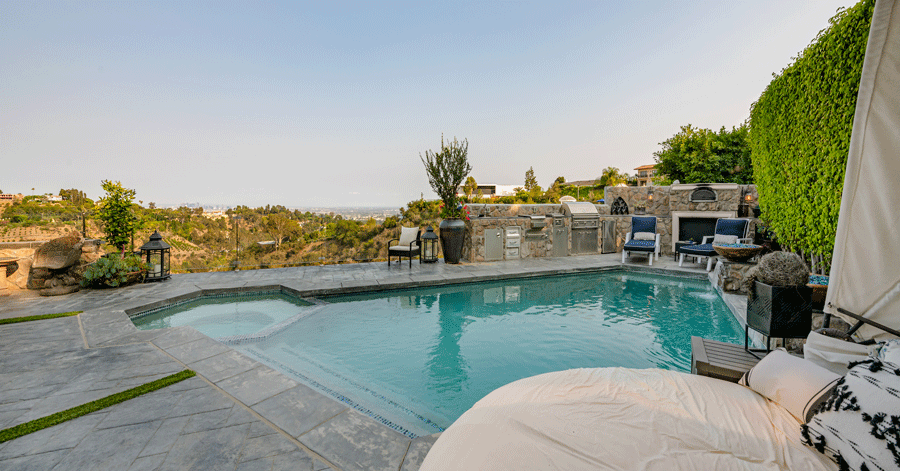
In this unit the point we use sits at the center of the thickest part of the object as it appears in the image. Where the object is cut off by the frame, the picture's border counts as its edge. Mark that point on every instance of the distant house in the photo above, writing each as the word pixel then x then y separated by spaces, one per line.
pixel 645 174
pixel 491 190
pixel 54 198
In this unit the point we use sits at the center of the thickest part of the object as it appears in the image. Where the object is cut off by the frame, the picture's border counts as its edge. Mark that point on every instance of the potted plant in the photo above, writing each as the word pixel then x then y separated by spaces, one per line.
pixel 779 304
pixel 446 171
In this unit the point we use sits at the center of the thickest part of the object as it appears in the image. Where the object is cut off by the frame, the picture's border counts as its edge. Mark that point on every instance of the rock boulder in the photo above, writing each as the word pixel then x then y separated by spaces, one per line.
pixel 58 254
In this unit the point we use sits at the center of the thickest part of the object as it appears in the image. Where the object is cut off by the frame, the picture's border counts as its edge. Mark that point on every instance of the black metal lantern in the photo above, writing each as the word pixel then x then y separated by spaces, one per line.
pixel 429 245
pixel 156 254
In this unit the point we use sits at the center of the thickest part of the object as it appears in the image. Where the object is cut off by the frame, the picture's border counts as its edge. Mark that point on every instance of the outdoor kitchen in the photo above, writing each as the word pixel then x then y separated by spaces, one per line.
pixel 514 231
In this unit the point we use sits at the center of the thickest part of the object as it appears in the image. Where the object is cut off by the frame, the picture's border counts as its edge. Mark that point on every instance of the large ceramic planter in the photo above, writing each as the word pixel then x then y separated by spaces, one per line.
pixel 453 235
pixel 780 311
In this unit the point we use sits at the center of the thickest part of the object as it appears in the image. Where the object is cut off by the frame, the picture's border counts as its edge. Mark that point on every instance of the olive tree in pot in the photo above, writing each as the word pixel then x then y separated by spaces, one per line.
pixel 446 171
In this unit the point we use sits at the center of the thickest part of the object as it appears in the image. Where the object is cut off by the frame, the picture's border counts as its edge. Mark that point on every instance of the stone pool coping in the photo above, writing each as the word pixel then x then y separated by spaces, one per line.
pixel 325 428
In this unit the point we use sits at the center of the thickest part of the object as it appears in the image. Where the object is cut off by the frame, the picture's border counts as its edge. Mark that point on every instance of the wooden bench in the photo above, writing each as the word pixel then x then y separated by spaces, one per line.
pixel 720 360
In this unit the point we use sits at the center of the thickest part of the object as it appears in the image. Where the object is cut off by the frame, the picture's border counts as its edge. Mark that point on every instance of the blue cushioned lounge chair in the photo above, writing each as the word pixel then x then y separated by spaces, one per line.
pixel 645 225
pixel 724 226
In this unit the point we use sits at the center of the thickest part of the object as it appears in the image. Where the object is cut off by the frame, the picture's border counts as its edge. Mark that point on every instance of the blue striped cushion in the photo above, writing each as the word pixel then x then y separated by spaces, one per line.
pixel 705 250
pixel 732 227
pixel 641 245
pixel 643 224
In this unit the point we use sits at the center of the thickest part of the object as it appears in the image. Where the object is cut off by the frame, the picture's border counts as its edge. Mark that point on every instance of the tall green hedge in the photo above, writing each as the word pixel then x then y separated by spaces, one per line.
pixel 800 133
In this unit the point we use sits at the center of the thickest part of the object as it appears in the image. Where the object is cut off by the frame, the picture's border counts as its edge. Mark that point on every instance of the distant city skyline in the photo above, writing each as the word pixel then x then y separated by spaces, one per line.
pixel 330 105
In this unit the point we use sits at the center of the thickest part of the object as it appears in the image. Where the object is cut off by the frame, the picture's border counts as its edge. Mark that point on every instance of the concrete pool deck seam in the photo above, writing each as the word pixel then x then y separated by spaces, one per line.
pixel 251 411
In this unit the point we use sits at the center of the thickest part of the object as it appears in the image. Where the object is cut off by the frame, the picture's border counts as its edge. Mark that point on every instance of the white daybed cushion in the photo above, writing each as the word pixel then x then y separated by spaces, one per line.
pixel 833 354
pixel 644 236
pixel 796 384
pixel 623 419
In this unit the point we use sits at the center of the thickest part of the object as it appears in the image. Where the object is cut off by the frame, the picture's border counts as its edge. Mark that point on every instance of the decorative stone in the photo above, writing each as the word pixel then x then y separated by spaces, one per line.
pixel 37 278
pixel 59 290
pixel 730 276
pixel 58 253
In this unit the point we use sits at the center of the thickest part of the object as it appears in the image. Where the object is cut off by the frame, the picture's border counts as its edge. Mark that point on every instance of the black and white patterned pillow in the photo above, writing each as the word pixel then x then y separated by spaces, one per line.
pixel 859 425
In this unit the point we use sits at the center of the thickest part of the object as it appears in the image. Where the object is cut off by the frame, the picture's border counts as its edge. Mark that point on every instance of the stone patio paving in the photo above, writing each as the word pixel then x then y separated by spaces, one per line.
pixel 237 414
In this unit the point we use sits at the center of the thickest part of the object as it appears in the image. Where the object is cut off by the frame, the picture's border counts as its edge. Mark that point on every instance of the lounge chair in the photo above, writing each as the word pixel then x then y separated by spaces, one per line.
pixel 728 231
pixel 642 238
pixel 407 245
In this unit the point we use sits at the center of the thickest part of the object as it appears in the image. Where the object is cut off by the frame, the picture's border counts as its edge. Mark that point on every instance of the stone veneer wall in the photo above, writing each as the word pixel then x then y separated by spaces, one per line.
pixel 537 242
pixel 667 199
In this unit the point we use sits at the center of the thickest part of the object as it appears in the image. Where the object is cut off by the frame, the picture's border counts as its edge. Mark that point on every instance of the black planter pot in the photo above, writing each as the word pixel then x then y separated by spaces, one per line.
pixel 453 235
pixel 779 311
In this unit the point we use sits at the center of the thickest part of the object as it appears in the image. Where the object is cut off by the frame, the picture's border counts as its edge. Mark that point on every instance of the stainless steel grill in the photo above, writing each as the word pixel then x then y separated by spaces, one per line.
pixel 585 226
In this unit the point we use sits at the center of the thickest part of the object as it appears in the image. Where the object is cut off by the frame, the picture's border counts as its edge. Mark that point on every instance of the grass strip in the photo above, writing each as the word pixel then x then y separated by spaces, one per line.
pixel 14 320
pixel 93 406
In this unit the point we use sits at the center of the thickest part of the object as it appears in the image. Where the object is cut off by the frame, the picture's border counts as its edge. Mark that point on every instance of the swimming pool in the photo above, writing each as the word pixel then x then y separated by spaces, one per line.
pixel 417 359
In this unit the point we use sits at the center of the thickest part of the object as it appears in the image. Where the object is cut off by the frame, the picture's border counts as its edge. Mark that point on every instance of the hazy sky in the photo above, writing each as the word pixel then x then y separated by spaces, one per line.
pixel 331 104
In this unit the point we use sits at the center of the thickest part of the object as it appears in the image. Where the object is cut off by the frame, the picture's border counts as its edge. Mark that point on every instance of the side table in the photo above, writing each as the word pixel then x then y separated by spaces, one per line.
pixel 720 360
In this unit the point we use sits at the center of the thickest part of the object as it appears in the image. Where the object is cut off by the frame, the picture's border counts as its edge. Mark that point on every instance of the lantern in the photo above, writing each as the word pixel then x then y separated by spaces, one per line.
pixel 429 245
pixel 156 254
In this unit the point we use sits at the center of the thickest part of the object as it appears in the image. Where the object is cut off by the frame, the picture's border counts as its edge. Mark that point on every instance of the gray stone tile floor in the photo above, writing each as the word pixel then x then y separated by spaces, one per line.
pixel 236 414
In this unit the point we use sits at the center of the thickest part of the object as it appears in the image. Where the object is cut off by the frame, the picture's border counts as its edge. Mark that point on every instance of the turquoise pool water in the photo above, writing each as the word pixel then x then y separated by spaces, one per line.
pixel 226 316
pixel 417 359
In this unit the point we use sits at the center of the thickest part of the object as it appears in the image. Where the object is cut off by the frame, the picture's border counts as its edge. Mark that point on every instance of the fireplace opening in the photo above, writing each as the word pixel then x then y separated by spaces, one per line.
pixel 695 228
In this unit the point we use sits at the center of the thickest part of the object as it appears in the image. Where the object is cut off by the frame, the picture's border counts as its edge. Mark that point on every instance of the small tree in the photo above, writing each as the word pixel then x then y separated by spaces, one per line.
pixel 470 187
pixel 116 214
pixel 530 181
pixel 446 170
pixel 612 176
pixel 281 227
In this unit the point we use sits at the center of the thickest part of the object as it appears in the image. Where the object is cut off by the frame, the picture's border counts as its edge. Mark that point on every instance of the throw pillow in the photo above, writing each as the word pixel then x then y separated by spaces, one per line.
pixel 859 425
pixel 720 239
pixel 408 235
pixel 792 382
pixel 644 236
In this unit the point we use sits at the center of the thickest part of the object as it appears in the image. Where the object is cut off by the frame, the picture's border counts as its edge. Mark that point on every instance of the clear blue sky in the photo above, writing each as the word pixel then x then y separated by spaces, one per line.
pixel 331 104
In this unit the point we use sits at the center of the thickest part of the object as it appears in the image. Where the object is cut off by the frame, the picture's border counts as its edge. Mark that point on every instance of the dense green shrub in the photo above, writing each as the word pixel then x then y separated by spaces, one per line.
pixel 704 156
pixel 800 133
pixel 113 271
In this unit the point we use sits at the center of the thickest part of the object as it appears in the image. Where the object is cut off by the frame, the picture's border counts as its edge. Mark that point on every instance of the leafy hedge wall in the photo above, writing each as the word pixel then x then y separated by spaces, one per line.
pixel 800 133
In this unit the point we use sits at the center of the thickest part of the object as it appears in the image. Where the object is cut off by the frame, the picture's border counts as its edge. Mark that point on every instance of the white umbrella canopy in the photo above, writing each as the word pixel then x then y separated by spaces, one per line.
pixel 865 270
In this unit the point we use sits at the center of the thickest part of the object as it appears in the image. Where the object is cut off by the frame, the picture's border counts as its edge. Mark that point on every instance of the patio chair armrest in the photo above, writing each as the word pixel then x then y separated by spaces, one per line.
pixel 413 244
pixel 657 243
pixel 706 239
pixel 627 237
pixel 393 240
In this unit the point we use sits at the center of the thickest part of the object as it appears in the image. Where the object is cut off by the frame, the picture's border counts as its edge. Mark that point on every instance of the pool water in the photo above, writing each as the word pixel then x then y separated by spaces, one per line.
pixel 226 316
pixel 417 359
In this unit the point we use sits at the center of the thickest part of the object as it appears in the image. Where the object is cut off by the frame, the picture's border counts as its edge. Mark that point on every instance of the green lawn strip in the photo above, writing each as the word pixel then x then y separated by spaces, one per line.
pixel 13 320
pixel 93 406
